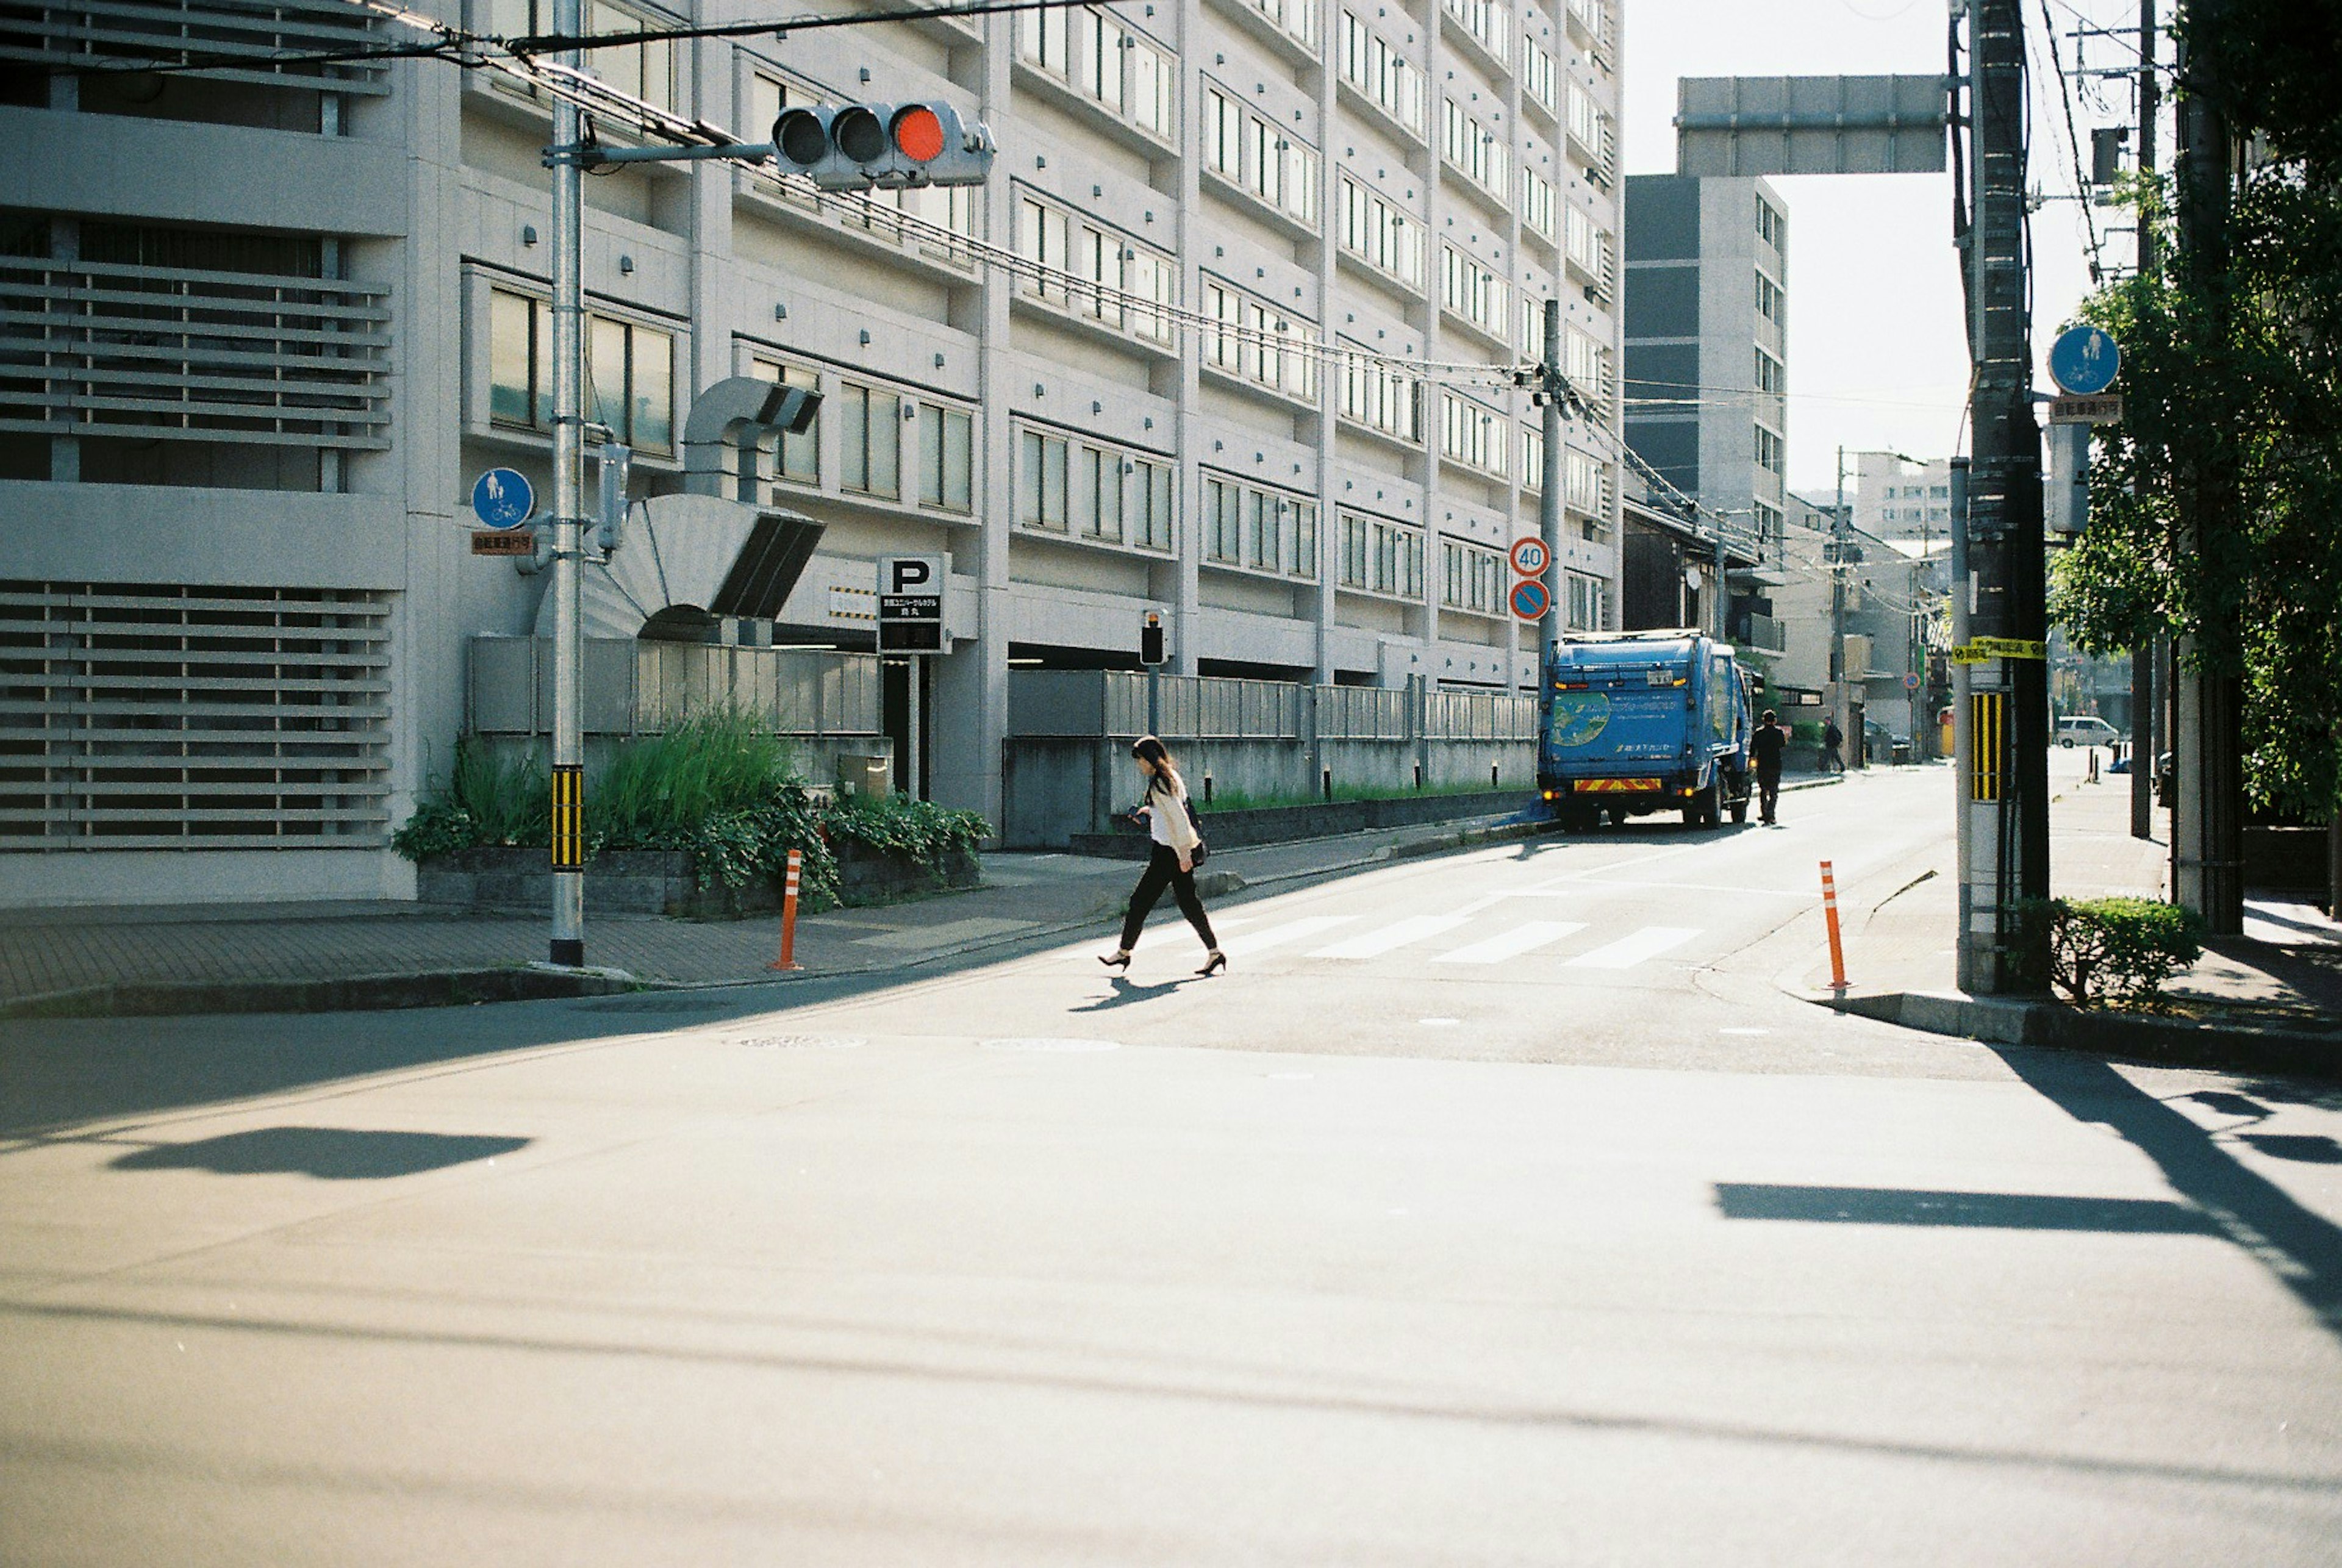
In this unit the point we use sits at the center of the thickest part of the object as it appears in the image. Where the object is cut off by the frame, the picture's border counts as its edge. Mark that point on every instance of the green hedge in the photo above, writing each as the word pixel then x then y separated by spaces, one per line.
pixel 715 787
pixel 2117 950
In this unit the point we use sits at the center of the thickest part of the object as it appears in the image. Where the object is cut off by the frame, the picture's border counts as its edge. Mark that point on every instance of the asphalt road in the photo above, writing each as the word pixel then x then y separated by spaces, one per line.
pixel 1498 1208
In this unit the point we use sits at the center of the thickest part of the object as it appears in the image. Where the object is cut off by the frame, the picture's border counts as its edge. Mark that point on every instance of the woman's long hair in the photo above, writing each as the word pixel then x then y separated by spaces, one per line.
pixel 1149 750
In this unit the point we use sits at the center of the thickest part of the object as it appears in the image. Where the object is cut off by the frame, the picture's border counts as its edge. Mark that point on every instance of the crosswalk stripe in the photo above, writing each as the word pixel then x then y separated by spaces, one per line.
pixel 1629 950
pixel 1520 939
pixel 1291 931
pixel 1397 934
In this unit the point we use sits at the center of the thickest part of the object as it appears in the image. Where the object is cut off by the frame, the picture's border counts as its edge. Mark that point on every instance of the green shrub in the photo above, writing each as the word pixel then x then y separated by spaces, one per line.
pixel 920 829
pixel 2119 949
pixel 488 800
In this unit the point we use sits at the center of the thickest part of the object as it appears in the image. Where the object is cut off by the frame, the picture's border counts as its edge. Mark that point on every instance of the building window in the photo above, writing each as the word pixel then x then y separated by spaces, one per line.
pixel 1354 551
pixel 1770 224
pixel 1379 235
pixel 1770 377
pixel 1589 603
pixel 1540 76
pixel 870 441
pixel 1472 435
pixel 1768 299
pixel 1382 397
pixel 800 451
pixel 643 71
pixel 1096 272
pixel 947 458
pixel 1097 494
pixel 1393 83
pixel 1538 203
pixel 1531 458
pixel 629 372
pixel 1041 474
pixel 1045 40
pixel 1223 522
pixel 1150 500
pixel 1768 450
pixel 1255 351
pixel 1474 149
pixel 1489 23
pixel 1474 291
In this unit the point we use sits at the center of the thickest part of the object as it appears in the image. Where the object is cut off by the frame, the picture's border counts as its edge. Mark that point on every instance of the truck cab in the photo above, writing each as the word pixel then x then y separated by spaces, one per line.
pixel 1632 723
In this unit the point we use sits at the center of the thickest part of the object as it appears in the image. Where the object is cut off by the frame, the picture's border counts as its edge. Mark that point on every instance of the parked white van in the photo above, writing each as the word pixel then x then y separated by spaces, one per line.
pixel 2086 730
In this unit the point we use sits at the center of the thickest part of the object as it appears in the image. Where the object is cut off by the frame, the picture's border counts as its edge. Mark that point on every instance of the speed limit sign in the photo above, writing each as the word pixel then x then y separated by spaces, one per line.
pixel 1529 556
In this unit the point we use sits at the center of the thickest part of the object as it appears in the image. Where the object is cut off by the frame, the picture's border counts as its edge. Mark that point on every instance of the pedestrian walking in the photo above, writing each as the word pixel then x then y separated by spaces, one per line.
pixel 1172 863
pixel 1765 749
pixel 1833 747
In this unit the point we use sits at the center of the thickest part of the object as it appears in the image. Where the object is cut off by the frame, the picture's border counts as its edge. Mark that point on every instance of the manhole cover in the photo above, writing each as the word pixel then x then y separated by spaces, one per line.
pixel 800 1042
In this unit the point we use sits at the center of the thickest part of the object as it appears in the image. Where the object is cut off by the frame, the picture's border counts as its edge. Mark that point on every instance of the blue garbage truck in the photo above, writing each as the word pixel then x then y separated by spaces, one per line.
pixel 1640 722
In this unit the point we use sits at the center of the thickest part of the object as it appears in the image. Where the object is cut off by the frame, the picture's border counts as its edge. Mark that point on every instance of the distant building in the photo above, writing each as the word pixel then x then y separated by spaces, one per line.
pixel 1706 336
pixel 1893 499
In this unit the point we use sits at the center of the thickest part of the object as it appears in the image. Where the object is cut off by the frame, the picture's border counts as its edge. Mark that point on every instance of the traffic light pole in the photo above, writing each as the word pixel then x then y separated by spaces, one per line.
pixel 2002 727
pixel 568 838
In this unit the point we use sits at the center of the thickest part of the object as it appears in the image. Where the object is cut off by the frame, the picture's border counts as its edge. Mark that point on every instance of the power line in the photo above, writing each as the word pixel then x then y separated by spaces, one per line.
pixel 2073 143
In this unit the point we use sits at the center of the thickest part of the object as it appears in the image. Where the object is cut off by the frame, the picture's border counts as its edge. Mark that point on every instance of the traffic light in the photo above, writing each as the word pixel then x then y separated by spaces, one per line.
pixel 855 147
pixel 1150 638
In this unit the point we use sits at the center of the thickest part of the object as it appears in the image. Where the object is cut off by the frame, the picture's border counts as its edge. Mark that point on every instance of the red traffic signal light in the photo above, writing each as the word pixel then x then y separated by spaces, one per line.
pixel 888 145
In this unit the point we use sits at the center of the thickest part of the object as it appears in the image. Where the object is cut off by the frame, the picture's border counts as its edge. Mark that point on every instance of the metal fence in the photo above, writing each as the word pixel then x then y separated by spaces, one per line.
pixel 1113 702
pixel 646 687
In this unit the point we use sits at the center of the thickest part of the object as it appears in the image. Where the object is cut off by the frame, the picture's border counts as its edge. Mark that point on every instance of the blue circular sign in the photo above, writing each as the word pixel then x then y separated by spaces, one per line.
pixel 2084 361
pixel 502 498
pixel 1530 600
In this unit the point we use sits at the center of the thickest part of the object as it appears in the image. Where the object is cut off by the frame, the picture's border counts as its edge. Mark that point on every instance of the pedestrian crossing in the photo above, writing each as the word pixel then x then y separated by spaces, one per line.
pixel 1479 937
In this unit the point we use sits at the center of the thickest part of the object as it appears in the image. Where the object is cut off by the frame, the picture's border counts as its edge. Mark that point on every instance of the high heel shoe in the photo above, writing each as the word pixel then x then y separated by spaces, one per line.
pixel 1115 960
pixel 1213 964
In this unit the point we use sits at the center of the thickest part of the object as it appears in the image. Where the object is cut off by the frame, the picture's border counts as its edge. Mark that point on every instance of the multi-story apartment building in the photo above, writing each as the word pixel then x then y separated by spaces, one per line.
pixel 1897 499
pixel 270 317
pixel 1706 298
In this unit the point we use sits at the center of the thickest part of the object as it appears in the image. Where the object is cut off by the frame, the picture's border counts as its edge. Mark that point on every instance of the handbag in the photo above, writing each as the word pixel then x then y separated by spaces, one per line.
pixel 1196 855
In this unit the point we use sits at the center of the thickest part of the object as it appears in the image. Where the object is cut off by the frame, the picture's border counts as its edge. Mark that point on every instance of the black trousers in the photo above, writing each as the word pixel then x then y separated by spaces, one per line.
pixel 1768 791
pixel 1163 870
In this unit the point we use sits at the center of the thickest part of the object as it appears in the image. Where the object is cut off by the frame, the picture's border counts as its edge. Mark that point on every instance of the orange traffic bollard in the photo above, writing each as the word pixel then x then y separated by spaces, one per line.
pixel 789 914
pixel 1830 912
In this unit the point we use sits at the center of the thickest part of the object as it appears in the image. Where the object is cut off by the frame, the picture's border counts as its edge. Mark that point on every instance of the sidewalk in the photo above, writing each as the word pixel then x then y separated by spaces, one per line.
pixel 323 957
pixel 2269 999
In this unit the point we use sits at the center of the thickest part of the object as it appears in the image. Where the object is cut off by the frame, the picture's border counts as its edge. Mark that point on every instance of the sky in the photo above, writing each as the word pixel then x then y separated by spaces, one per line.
pixel 1878 356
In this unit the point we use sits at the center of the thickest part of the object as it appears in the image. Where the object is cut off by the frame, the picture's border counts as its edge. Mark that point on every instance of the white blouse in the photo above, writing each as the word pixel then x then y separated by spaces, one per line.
pixel 1167 813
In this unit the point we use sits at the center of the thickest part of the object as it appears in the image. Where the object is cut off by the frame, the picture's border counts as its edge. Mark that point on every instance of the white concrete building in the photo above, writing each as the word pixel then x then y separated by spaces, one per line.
pixel 1894 499
pixel 270 321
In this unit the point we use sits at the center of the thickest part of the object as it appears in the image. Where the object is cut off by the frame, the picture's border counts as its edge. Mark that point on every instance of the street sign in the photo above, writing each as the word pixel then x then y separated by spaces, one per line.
pixel 2098 409
pixel 911 604
pixel 1529 556
pixel 503 542
pixel 2084 361
pixel 1530 600
pixel 503 498
pixel 1911 682
pixel 1984 648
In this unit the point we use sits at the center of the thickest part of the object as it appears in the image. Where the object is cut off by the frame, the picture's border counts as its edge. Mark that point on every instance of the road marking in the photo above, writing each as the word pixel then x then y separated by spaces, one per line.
pixel 1291 931
pixel 1628 952
pixel 1520 939
pixel 1744 1032
pixel 1397 934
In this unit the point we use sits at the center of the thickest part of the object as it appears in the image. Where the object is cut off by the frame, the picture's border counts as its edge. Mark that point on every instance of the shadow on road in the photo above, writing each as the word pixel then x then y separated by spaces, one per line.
pixel 2302 1249
pixel 330 1153
pixel 1989 1211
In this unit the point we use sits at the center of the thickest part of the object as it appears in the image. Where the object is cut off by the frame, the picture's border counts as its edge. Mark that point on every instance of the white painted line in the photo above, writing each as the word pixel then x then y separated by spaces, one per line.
pixel 1520 939
pixel 1744 1032
pixel 1397 934
pixel 1628 952
pixel 1291 931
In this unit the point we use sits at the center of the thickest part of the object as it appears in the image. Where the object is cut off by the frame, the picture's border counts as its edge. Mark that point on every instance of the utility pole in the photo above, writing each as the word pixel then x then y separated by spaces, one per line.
pixel 2002 727
pixel 2145 708
pixel 1551 389
pixel 2208 837
pixel 1836 554
pixel 568 944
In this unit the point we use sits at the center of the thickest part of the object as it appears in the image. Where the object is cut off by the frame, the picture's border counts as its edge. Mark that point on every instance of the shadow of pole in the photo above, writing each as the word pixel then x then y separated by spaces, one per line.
pixel 2302 1249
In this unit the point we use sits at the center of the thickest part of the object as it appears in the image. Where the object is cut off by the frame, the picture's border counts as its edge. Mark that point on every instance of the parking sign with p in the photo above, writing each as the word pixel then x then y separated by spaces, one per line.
pixel 911 603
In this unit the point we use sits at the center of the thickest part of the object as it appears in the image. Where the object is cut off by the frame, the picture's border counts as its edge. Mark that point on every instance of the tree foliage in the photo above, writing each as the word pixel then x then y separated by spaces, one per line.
pixel 2234 374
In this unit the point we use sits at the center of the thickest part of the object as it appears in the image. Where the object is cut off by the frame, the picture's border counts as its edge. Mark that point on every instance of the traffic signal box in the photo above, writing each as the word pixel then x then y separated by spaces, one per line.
pixel 1150 638
pixel 856 146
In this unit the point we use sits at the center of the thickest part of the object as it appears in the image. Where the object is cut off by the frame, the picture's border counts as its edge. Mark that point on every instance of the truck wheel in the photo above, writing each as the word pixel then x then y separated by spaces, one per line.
pixel 1701 812
pixel 1577 818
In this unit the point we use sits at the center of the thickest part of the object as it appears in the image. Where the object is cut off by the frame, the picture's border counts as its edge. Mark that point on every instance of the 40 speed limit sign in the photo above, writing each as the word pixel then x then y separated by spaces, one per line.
pixel 1530 557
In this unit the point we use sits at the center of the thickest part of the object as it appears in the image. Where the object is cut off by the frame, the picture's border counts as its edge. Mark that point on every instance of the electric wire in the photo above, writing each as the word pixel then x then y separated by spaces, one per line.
pixel 2074 145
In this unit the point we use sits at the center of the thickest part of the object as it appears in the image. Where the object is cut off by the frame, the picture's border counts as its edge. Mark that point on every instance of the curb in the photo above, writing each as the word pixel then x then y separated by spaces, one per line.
pixel 539 982
pixel 353 993
pixel 2165 1042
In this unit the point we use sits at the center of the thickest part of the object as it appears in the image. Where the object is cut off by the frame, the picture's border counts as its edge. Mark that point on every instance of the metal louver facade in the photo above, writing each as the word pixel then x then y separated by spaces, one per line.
pixel 151 716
